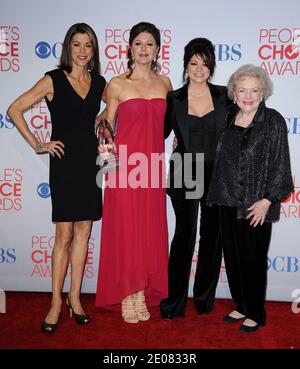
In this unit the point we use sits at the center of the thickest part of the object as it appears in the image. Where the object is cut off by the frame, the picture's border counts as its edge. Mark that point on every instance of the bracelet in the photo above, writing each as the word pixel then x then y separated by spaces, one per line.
pixel 38 148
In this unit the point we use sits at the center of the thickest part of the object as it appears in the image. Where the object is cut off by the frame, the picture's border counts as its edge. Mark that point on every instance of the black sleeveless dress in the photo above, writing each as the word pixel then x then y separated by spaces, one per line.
pixel 74 193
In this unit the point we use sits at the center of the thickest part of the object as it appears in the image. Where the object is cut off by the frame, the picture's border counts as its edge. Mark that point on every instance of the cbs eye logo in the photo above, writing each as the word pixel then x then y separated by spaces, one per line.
pixel 43 190
pixel 43 49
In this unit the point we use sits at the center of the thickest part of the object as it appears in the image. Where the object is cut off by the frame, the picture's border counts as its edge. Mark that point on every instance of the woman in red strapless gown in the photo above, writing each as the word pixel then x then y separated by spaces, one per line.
pixel 134 239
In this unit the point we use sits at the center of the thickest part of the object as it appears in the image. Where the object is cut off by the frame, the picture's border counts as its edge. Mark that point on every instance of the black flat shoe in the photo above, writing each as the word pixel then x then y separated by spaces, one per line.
pixel 79 319
pixel 229 319
pixel 247 329
pixel 48 327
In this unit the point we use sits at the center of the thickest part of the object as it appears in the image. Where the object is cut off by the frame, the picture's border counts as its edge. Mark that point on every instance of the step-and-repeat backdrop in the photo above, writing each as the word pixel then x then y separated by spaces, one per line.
pixel 31 35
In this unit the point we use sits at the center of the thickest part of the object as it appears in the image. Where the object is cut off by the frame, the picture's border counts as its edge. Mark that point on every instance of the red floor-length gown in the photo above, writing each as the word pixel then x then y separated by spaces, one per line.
pixel 134 236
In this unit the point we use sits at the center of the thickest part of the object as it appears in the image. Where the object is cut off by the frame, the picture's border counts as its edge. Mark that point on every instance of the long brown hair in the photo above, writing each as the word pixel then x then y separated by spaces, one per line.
pixel 65 59
pixel 134 32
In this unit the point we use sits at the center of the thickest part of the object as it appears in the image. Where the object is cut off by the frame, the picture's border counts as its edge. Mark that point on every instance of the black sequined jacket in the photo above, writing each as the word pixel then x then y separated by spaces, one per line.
pixel 264 169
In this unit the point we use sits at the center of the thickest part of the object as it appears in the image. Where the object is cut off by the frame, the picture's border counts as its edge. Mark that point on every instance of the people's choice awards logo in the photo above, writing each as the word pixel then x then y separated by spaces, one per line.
pixel 279 50
pixel 41 256
pixel 43 190
pixel 40 121
pixel 9 49
pixel 11 180
pixel 116 48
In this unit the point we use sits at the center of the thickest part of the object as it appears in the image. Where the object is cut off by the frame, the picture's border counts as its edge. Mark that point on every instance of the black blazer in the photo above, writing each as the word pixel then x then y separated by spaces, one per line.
pixel 175 119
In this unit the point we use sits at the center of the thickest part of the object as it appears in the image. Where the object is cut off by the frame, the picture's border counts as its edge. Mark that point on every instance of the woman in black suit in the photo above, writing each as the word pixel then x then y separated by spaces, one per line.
pixel 196 112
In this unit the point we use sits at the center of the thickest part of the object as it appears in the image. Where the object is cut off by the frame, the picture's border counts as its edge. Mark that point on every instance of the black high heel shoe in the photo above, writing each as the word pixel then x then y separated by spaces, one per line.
pixel 79 319
pixel 48 327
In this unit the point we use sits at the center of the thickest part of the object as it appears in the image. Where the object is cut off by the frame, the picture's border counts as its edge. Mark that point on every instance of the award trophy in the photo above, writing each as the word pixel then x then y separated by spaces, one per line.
pixel 108 160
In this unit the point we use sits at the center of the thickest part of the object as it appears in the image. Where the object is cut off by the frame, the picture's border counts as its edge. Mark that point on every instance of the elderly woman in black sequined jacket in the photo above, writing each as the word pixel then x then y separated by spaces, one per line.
pixel 251 177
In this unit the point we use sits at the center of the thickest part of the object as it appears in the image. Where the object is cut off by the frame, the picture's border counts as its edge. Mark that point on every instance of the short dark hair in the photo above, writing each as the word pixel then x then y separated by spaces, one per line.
pixel 134 32
pixel 65 59
pixel 203 48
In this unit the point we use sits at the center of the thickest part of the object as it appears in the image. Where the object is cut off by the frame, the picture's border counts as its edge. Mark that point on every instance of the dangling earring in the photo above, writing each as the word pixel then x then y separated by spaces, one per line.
pixel 261 97
pixel 234 100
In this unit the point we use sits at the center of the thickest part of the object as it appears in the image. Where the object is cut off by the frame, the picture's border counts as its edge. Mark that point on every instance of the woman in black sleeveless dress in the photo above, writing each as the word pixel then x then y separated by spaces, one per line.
pixel 73 94
pixel 74 193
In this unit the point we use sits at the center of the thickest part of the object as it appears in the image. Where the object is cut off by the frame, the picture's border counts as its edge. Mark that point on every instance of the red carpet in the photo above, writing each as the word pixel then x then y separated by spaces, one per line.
pixel 20 328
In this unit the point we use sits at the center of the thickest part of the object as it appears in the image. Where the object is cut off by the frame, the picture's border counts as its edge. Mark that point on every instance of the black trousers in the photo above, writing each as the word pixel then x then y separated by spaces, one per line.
pixel 181 254
pixel 245 254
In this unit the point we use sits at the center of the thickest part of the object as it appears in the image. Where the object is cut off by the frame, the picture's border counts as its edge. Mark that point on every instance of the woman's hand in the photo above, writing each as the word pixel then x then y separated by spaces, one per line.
pixel 53 148
pixel 102 115
pixel 258 211
pixel 105 149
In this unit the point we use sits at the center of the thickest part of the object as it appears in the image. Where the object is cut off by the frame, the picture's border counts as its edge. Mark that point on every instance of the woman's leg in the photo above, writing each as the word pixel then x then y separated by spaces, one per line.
pixel 245 254
pixel 60 257
pixel 253 251
pixel 129 313
pixel 209 259
pixel 210 251
pixel 180 259
pixel 230 243
pixel 140 306
pixel 82 231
